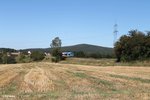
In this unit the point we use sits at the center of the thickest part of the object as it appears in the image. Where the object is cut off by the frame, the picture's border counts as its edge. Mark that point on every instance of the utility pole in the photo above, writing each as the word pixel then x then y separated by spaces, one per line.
pixel 115 33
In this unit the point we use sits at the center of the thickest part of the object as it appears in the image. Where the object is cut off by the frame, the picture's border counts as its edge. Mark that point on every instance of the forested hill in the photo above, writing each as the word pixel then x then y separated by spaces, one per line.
pixel 87 48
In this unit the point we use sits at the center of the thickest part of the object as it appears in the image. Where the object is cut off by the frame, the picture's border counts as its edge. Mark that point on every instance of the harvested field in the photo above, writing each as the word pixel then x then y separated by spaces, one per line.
pixel 43 81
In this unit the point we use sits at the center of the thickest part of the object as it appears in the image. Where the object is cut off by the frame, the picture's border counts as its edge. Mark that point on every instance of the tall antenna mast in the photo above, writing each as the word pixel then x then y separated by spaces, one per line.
pixel 115 33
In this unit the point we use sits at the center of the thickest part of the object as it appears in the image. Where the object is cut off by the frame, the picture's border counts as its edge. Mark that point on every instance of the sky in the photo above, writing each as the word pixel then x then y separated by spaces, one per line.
pixel 34 23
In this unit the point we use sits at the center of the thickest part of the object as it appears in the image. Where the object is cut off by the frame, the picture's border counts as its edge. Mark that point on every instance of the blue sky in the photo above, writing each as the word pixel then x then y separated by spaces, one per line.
pixel 34 23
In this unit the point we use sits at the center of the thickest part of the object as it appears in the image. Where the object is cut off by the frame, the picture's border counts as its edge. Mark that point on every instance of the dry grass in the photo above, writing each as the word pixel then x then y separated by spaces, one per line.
pixel 42 81
pixel 104 62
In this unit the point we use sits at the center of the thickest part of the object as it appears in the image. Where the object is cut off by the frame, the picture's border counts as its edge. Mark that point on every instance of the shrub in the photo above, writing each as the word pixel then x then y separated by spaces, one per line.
pixel 37 56
pixel 55 59
pixel 1 60
pixel 11 60
pixel 23 58
pixel 57 56
pixel 8 59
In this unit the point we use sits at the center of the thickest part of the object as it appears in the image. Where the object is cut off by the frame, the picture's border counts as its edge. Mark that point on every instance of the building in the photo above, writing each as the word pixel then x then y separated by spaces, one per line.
pixel 29 52
pixel 15 53
pixel 67 54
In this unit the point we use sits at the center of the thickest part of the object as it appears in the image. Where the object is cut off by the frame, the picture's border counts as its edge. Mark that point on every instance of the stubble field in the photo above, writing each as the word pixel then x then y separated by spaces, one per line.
pixel 49 81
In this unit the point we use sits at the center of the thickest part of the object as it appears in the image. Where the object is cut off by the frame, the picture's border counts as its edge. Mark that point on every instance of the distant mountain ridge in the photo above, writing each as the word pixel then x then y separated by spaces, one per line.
pixel 87 48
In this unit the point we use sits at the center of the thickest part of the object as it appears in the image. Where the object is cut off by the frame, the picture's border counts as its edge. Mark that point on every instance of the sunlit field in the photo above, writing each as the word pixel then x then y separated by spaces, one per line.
pixel 104 62
pixel 43 81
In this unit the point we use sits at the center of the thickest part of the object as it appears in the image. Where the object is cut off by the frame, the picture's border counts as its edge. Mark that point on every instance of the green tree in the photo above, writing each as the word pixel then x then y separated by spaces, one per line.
pixel 37 56
pixel 11 60
pixel 22 58
pixel 1 60
pixel 5 58
pixel 56 49
pixel 56 43
pixel 134 46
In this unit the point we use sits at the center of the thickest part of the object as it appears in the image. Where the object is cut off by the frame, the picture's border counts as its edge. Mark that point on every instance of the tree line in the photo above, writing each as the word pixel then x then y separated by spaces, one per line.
pixel 23 57
pixel 57 53
pixel 96 55
pixel 133 46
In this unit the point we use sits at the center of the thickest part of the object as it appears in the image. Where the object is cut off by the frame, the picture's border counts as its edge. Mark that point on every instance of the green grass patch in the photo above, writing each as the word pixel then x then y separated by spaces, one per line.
pixel 79 92
pixel 108 92
pixel 101 81
pixel 52 95
pixel 131 78
pixel 61 82
pixel 81 75
pixel 10 89
pixel 96 80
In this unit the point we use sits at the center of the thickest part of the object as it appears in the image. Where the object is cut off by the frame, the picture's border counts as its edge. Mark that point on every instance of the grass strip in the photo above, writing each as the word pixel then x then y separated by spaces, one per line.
pixel 131 78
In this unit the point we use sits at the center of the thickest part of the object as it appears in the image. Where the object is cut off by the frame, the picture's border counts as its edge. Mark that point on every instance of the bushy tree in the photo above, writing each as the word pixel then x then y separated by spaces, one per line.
pixel 8 59
pixel 37 56
pixel 5 58
pixel 134 46
pixel 56 43
pixel 11 60
pixel 22 58
pixel 56 49
pixel 1 60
